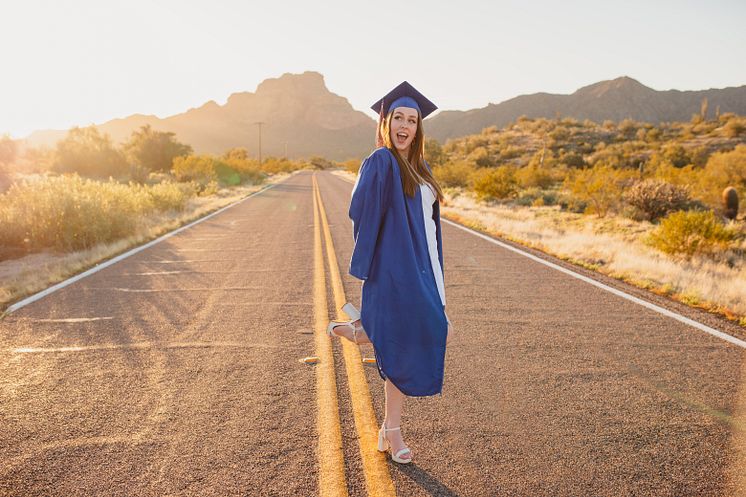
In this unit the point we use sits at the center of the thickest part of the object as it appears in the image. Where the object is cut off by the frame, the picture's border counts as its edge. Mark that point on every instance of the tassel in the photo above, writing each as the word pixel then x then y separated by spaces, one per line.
pixel 379 138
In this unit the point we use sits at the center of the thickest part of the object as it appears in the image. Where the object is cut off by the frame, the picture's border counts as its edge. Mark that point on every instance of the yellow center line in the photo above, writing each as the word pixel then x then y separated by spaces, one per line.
pixel 329 450
pixel 377 477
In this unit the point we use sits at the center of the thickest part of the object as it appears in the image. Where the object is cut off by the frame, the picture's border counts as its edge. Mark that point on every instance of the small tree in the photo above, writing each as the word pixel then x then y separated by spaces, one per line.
pixel 87 152
pixel 434 154
pixel 155 150
pixel 8 150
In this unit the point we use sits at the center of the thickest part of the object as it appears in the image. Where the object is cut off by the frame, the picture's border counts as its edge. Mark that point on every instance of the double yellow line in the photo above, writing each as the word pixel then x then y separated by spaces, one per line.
pixel 331 464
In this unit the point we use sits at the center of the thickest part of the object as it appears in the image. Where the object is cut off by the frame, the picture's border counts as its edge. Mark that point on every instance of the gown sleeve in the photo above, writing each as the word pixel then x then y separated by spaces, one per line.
pixel 370 199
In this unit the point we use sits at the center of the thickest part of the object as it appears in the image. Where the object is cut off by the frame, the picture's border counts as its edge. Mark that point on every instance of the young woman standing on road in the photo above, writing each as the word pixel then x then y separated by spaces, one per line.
pixel 398 253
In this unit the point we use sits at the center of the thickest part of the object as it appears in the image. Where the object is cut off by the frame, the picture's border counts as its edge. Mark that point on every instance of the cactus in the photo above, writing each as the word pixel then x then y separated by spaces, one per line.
pixel 730 202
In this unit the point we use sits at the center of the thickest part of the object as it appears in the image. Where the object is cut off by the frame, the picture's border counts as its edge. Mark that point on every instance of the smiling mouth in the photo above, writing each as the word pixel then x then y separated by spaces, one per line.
pixel 402 137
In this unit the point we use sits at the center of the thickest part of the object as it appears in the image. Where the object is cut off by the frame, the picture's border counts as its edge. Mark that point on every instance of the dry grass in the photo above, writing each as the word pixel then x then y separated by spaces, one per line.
pixel 28 275
pixel 612 246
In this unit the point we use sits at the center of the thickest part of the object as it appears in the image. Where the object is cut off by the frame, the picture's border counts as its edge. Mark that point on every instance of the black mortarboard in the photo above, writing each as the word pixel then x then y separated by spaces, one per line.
pixel 404 95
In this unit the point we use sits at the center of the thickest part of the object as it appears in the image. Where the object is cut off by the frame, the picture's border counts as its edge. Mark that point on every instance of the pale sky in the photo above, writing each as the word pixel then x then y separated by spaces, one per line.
pixel 79 62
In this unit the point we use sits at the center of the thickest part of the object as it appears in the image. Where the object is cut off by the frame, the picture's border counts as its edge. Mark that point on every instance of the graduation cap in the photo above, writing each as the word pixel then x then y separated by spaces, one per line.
pixel 404 95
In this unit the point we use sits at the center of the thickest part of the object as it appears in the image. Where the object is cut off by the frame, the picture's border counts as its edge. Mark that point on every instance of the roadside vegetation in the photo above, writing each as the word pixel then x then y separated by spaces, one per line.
pixel 660 206
pixel 87 199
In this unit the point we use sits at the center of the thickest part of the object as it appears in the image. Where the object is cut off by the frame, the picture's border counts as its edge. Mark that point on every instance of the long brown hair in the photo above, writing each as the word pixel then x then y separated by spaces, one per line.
pixel 413 168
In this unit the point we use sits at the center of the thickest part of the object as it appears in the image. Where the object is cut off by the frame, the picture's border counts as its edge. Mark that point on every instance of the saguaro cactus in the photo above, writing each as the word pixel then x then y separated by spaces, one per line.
pixel 730 202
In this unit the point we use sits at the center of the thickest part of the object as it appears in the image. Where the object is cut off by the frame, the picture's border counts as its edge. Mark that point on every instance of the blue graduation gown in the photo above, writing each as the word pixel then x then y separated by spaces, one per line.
pixel 401 309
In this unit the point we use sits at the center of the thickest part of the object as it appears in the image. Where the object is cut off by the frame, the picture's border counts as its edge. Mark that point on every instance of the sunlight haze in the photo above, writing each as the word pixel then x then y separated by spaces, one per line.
pixel 84 62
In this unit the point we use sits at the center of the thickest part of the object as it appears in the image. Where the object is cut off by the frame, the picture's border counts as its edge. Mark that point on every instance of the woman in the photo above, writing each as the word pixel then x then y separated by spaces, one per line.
pixel 398 254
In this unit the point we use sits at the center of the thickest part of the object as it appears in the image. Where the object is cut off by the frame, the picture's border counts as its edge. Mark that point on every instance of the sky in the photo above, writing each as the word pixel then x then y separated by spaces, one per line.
pixel 81 62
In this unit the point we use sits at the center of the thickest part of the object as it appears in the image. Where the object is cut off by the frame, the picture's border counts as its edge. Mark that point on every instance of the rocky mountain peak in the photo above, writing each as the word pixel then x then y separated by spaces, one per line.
pixel 622 85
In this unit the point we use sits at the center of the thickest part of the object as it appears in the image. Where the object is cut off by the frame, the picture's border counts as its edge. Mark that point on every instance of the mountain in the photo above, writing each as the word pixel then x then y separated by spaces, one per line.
pixel 615 100
pixel 297 110
pixel 300 113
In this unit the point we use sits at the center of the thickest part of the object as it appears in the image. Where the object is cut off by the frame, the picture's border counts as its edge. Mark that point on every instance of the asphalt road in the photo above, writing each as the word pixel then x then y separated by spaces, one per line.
pixel 176 372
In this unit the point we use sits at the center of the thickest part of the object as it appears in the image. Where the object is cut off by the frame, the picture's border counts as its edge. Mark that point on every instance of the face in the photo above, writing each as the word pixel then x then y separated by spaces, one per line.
pixel 403 128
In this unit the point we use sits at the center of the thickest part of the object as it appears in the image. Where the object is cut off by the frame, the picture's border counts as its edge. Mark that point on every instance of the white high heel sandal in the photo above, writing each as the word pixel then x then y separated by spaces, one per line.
pixel 383 444
pixel 354 314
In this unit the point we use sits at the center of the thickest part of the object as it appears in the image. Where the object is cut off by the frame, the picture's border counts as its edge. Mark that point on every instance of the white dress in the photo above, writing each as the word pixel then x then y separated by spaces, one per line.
pixel 428 199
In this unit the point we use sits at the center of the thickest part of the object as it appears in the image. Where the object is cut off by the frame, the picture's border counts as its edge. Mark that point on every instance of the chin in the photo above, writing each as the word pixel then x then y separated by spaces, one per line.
pixel 402 149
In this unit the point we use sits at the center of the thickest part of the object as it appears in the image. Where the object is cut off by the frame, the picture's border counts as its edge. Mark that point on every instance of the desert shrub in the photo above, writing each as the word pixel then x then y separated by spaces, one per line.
pixel 690 233
pixel 727 168
pixel 509 152
pixel 572 159
pixel 735 127
pixel 628 128
pixel 559 134
pixel 247 168
pixel 536 197
pixel 653 199
pixel 227 175
pixel 454 173
pixel 494 183
pixel 675 154
pixel 481 157
pixel 572 204
pixel 723 169
pixel 169 196
pixel 273 165
pixel 353 165
pixel 197 168
pixel 534 176
pixel 599 187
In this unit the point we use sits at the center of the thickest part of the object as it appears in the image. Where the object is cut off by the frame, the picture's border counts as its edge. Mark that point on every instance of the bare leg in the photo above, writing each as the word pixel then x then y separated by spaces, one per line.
pixel 346 332
pixel 394 405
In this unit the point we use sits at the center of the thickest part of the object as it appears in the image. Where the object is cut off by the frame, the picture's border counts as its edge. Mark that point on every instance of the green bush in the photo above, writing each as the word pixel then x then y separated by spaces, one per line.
pixel 497 183
pixel 690 233
pixel 534 176
pixel 197 168
pixel 536 197
pixel 599 188
pixel 454 173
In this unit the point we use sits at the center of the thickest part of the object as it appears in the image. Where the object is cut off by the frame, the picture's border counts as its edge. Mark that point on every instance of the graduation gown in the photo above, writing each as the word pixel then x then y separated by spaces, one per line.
pixel 401 309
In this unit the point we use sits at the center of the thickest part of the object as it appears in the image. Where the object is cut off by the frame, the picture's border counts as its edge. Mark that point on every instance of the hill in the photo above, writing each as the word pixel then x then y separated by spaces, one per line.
pixel 299 113
pixel 615 100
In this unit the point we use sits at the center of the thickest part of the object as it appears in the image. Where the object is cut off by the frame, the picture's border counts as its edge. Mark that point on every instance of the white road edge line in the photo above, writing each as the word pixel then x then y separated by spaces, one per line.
pixel 99 267
pixel 653 307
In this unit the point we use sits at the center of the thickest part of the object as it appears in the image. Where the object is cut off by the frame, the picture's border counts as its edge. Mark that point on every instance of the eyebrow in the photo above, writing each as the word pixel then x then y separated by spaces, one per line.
pixel 402 113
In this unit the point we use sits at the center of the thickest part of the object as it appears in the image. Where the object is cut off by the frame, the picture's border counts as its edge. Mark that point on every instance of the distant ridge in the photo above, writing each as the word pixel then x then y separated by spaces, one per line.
pixel 615 100
pixel 299 113
pixel 303 117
